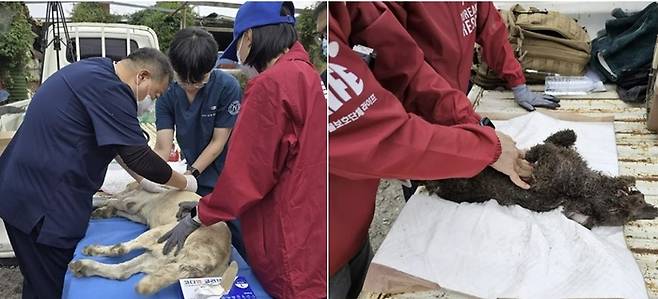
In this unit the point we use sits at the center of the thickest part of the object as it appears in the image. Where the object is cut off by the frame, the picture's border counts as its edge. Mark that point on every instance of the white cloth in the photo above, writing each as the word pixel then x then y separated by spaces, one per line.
pixel 489 251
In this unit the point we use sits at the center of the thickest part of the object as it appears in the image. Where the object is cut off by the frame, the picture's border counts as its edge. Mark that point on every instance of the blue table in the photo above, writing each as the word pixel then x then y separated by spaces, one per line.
pixel 116 230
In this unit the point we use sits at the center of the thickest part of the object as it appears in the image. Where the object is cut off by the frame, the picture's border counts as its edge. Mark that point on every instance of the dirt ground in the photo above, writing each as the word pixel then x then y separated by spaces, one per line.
pixel 389 204
pixel 11 280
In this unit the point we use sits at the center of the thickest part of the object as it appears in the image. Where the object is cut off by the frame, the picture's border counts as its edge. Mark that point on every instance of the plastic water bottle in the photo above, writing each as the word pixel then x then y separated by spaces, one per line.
pixel 571 85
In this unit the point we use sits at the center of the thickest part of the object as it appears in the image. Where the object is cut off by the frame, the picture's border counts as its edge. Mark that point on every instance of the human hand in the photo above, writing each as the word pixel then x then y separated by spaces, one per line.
pixel 176 236
pixel 529 100
pixel 191 183
pixel 185 208
pixel 152 187
pixel 511 162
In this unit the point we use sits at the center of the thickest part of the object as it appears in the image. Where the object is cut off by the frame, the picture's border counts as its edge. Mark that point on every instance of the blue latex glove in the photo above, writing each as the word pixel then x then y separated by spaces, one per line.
pixel 529 100
pixel 176 236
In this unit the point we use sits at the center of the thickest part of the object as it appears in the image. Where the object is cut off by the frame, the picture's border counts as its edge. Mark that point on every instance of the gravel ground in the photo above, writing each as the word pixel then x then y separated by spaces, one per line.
pixel 389 204
pixel 11 280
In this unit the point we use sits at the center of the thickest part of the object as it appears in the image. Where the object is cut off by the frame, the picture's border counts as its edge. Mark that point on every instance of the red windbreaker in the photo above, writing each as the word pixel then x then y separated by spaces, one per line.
pixel 275 178
pixel 372 136
pixel 446 33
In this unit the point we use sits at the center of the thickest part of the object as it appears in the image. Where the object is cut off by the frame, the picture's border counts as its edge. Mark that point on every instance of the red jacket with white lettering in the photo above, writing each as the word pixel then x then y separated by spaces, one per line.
pixel 371 134
pixel 275 178
pixel 446 32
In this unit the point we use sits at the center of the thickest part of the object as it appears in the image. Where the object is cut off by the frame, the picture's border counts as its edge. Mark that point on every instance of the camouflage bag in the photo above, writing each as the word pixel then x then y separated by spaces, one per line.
pixel 544 42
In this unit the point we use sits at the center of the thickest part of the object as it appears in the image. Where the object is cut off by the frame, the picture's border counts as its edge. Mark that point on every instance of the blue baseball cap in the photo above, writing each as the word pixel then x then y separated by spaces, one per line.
pixel 254 14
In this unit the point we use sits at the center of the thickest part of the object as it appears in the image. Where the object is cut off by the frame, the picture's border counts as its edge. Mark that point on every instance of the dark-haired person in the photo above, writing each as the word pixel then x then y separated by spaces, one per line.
pixel 200 107
pixel 275 173
pixel 78 121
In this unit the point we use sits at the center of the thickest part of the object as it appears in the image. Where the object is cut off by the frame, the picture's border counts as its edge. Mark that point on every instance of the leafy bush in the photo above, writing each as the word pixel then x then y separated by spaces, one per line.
pixel 164 24
pixel 15 41
pixel 308 37
pixel 92 12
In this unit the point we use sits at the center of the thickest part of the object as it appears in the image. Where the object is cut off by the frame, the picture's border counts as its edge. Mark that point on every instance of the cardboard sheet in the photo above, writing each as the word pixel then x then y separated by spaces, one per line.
pixel 488 250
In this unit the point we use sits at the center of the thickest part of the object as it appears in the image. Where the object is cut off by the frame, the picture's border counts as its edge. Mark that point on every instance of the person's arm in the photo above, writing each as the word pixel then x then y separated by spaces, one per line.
pixel 123 165
pixel 164 123
pixel 400 66
pixel 146 163
pixel 231 95
pixel 497 52
pixel 255 158
pixel 372 136
pixel 214 148
pixel 164 141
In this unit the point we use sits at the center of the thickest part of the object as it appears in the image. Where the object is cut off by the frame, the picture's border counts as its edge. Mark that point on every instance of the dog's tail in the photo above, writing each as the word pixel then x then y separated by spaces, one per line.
pixel 565 138
pixel 229 276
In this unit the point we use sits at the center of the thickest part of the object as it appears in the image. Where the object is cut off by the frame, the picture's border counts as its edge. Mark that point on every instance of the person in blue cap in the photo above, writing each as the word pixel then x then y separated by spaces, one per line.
pixel 200 107
pixel 275 176
pixel 80 119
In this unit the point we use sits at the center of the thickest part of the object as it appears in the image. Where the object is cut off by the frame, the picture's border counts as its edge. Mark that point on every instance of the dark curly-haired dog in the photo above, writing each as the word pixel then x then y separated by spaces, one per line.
pixel 560 178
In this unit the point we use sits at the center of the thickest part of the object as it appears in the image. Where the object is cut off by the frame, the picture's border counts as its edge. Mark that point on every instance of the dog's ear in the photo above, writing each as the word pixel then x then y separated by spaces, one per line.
pixel 564 138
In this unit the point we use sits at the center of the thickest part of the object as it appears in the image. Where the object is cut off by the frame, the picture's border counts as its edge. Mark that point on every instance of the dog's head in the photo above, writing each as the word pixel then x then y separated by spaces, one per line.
pixel 629 203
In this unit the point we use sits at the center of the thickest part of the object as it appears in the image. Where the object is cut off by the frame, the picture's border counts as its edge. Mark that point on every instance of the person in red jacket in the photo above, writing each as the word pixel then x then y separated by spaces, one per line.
pixel 275 176
pixel 395 119
pixel 447 32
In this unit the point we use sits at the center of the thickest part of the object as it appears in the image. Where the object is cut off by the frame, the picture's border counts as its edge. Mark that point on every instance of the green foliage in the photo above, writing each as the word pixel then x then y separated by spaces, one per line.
pixel 164 24
pixel 308 37
pixel 92 12
pixel 15 41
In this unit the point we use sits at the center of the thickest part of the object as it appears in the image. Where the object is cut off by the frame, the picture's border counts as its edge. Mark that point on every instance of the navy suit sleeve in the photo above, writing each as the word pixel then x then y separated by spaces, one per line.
pixel 164 110
pixel 113 114
pixel 230 99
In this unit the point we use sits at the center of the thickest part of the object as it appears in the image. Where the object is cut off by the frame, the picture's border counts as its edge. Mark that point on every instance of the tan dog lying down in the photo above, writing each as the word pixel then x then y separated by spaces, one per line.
pixel 206 253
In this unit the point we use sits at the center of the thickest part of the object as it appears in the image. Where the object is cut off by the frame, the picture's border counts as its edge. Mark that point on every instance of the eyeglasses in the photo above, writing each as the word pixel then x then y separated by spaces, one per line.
pixel 192 85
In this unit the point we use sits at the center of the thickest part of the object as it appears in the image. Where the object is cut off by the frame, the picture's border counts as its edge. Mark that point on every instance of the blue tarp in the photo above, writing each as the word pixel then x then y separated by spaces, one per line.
pixel 116 230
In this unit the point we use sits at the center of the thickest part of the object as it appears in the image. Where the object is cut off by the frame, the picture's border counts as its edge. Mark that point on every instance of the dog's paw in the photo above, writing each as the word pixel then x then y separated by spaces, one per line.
pixel 145 288
pixel 79 268
pixel 103 212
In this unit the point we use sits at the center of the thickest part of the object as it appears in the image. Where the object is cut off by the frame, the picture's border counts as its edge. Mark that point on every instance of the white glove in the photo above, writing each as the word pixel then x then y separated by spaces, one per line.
pixel 191 183
pixel 152 187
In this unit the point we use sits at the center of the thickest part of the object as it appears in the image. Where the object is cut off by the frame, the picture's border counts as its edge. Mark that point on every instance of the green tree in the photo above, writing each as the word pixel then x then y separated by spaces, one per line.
pixel 93 12
pixel 15 44
pixel 164 24
pixel 308 37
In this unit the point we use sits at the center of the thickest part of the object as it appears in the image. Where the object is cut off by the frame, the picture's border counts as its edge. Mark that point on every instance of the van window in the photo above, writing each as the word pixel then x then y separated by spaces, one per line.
pixel 115 48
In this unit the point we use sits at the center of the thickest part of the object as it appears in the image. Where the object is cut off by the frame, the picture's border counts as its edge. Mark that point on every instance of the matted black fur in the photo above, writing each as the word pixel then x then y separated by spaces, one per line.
pixel 560 178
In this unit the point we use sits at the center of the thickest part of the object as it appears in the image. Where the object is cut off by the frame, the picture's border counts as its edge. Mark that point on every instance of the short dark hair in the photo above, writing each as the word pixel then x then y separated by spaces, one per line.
pixel 322 6
pixel 270 40
pixel 193 53
pixel 153 60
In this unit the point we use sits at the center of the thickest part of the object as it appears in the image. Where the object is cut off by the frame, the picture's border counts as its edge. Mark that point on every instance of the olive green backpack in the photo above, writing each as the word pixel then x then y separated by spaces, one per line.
pixel 544 42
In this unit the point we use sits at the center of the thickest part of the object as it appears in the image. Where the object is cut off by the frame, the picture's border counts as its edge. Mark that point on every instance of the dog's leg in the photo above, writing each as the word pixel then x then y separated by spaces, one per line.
pixel 122 271
pixel 153 282
pixel 145 240
pixel 131 217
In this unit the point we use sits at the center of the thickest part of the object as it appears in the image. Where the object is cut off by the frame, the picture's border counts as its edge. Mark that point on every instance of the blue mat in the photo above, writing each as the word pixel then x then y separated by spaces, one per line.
pixel 116 230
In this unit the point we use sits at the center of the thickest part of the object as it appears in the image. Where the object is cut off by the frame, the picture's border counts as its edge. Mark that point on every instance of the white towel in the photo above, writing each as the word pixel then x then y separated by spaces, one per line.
pixel 488 250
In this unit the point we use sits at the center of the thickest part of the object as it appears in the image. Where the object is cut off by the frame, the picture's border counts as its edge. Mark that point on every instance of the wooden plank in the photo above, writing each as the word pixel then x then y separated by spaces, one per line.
pixel 507 113
pixel 581 106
